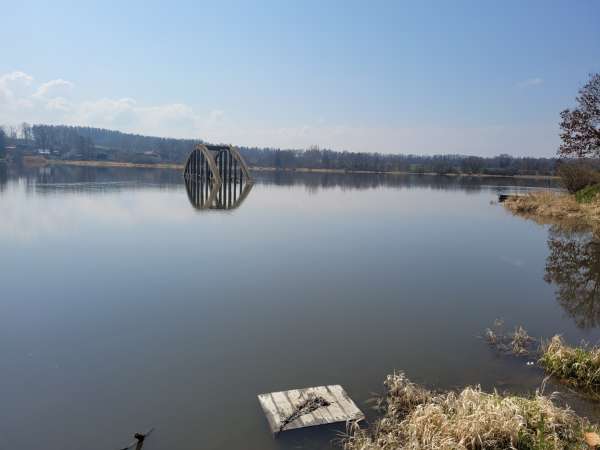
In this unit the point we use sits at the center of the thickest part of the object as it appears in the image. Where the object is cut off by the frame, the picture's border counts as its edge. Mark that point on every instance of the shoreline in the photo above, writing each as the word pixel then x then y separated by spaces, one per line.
pixel 556 208
pixel 174 166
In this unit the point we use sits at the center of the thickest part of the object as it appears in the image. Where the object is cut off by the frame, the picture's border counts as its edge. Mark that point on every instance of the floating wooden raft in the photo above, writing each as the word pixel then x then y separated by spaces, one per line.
pixel 280 406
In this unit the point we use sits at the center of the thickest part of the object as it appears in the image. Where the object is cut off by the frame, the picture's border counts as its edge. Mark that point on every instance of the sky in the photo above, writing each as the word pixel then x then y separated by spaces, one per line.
pixel 476 77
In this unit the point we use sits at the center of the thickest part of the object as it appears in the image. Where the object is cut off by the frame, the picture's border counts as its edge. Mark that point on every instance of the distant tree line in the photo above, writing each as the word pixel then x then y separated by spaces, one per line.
pixel 376 162
pixel 70 142
pixel 86 143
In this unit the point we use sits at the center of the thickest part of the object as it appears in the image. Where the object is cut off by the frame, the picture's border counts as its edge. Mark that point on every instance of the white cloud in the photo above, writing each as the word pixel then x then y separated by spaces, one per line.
pixel 14 87
pixel 54 89
pixel 530 82
pixel 52 102
pixel 176 119
pixel 55 102
pixel 106 112
pixel 58 104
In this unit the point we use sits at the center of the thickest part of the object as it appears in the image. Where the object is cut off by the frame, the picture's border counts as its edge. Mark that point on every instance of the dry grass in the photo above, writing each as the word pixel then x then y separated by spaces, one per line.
pixel 578 366
pixel 415 418
pixel 555 208
pixel 520 341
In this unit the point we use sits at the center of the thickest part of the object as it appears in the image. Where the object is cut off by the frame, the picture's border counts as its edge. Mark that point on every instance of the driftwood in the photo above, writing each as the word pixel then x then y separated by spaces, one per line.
pixel 139 440
pixel 309 405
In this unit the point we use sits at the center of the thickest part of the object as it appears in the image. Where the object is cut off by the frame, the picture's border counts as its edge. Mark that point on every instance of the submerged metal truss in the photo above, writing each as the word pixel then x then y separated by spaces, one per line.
pixel 216 177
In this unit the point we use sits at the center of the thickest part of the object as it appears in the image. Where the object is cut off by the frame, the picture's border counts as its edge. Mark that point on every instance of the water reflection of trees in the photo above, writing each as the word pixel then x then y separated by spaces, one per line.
pixel 3 175
pixel 573 265
pixel 62 178
pixel 313 181
pixel 83 178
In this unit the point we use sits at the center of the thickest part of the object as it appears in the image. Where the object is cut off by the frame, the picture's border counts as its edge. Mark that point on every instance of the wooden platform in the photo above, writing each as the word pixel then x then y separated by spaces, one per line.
pixel 278 406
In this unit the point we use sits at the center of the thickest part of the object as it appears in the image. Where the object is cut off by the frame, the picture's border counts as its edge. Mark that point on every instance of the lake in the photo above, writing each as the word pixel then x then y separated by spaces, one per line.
pixel 124 307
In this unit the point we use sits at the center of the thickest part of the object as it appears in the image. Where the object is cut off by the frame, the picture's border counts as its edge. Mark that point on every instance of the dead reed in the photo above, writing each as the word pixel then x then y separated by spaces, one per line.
pixel 470 419
pixel 517 342
pixel 547 207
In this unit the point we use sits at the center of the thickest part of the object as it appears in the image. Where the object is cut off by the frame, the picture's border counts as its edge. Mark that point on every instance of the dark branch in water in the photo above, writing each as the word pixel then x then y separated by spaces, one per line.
pixel 139 440
pixel 309 405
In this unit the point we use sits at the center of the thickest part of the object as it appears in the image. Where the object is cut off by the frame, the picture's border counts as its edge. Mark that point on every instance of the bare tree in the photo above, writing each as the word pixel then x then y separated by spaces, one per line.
pixel 2 144
pixel 26 132
pixel 581 125
pixel 13 132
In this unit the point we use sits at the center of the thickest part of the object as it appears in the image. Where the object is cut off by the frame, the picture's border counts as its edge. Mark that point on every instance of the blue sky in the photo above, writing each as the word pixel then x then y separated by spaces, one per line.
pixel 424 77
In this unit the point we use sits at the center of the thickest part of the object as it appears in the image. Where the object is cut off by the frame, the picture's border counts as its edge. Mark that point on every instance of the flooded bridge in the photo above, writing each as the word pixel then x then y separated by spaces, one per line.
pixel 216 177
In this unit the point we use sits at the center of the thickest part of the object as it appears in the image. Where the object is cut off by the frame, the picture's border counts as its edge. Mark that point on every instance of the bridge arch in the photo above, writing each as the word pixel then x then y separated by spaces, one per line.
pixel 216 177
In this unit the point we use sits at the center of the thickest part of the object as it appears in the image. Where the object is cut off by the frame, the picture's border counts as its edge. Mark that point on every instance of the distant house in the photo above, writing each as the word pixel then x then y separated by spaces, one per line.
pixel 44 151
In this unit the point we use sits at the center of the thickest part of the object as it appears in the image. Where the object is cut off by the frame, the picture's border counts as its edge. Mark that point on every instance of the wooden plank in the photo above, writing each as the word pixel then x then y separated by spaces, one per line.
pixel 270 411
pixel 285 408
pixel 346 402
pixel 337 413
pixel 278 406
pixel 321 414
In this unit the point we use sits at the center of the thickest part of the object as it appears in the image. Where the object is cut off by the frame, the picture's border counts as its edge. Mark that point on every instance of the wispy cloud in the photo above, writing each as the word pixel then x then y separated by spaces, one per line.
pixel 530 82
pixel 53 89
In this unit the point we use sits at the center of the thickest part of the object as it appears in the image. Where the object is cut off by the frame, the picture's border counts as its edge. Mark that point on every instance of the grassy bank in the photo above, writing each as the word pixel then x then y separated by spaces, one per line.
pixel 416 418
pixel 557 207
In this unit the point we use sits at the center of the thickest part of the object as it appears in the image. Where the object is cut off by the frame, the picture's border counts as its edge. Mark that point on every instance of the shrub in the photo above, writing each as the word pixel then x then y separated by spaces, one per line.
pixel 587 194
pixel 578 366
pixel 577 175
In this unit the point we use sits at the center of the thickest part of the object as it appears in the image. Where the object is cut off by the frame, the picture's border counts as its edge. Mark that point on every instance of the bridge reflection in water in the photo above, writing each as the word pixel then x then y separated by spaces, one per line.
pixel 216 177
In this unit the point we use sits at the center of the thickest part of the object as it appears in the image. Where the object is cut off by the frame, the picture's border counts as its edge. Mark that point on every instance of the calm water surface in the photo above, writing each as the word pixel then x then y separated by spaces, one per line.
pixel 124 307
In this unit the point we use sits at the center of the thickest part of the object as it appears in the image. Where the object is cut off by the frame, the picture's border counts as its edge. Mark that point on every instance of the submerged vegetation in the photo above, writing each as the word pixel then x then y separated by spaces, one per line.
pixel 517 342
pixel 577 366
pixel 416 418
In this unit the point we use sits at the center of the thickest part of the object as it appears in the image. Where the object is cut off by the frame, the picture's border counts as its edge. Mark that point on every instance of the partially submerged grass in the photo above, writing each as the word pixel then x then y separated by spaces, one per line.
pixel 578 366
pixel 470 419
pixel 517 342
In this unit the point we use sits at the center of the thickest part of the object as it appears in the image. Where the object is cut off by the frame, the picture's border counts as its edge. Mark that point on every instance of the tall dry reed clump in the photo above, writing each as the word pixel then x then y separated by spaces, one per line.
pixel 578 366
pixel 418 419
